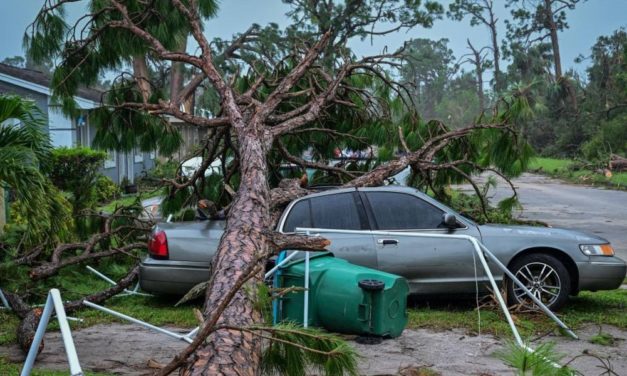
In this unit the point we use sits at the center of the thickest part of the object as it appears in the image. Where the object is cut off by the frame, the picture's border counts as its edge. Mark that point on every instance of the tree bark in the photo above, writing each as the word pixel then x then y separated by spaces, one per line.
pixel 176 75
pixel 557 60
pixel 557 57
pixel 496 53
pixel 479 72
pixel 618 163
pixel 140 72
pixel 233 352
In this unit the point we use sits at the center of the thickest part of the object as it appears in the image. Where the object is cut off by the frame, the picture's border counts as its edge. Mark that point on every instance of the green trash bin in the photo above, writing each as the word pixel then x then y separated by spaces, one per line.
pixel 345 298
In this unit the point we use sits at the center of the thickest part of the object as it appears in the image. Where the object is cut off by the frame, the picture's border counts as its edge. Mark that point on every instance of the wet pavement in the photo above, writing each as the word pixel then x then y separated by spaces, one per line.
pixel 594 210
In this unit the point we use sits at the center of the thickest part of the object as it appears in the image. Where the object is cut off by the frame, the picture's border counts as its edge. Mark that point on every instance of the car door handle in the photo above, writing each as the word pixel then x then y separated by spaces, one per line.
pixel 387 241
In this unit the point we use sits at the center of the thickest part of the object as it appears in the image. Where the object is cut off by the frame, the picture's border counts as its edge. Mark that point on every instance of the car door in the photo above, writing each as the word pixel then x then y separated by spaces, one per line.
pixel 337 211
pixel 431 265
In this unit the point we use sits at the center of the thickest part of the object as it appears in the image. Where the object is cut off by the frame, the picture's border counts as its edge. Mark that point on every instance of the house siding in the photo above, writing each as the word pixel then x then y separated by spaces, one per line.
pixel 64 131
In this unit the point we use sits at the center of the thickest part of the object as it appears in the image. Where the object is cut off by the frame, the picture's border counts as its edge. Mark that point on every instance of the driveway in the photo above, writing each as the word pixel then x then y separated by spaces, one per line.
pixel 593 210
pixel 126 350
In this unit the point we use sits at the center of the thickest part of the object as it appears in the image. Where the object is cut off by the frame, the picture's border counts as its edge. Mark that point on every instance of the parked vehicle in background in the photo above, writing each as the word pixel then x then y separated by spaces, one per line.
pixel 553 263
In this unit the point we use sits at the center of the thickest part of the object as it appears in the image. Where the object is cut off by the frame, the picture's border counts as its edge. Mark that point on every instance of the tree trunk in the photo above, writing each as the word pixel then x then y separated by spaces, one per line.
pixel 479 72
pixel 557 59
pixel 496 53
pixel 233 352
pixel 140 72
pixel 176 73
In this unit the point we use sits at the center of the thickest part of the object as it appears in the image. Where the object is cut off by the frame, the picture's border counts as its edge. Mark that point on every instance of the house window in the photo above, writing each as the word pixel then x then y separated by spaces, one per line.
pixel 110 161
pixel 138 156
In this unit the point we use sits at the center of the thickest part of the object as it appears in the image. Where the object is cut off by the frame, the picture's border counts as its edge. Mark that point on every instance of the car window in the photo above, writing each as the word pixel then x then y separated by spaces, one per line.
pixel 399 211
pixel 299 216
pixel 337 211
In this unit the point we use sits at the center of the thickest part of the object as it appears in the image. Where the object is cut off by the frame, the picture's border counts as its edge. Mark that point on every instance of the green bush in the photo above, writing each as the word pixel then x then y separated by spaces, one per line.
pixel 106 189
pixel 611 137
pixel 75 170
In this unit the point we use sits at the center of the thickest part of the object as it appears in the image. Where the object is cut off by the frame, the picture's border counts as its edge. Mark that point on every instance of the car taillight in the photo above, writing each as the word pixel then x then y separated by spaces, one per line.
pixel 158 245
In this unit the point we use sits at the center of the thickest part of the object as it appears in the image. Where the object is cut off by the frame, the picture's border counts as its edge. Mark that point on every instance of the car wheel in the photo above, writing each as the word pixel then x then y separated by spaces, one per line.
pixel 545 276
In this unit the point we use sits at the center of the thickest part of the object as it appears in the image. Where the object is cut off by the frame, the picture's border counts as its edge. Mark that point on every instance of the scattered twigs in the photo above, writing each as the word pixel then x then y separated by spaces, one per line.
pixel 114 238
pixel 478 191
pixel 30 256
pixel 51 268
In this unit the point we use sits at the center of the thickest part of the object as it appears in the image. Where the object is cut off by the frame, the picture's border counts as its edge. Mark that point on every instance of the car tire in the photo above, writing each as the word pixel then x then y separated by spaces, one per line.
pixel 545 276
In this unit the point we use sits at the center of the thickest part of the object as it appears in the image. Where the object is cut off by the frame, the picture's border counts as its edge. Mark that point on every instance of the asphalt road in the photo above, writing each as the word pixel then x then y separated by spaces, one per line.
pixel 593 210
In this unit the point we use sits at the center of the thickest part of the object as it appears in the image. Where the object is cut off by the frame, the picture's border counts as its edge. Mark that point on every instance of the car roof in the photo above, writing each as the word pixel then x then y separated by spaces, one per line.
pixel 385 188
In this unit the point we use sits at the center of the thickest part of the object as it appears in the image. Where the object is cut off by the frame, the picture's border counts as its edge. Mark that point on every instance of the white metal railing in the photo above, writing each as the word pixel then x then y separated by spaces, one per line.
pixel 480 249
pixel 3 300
pixel 306 287
pixel 53 302
pixel 127 292
pixel 185 337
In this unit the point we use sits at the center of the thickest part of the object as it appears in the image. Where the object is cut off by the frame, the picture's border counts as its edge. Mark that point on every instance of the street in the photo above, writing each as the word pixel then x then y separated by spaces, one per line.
pixel 560 204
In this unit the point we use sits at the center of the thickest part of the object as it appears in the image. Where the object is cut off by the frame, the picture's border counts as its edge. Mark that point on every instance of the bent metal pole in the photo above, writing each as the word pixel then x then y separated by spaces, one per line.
pixel 479 249
pixel 537 301
pixel 137 321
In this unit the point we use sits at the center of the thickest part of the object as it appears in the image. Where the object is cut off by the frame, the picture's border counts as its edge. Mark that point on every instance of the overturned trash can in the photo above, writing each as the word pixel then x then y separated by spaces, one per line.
pixel 343 297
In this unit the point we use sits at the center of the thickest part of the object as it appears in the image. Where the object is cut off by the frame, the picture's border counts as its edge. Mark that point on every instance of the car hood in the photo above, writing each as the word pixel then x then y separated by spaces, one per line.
pixel 495 230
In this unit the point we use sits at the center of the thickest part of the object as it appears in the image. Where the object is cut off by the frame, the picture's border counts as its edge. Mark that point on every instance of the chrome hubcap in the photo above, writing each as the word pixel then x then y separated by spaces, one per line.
pixel 542 280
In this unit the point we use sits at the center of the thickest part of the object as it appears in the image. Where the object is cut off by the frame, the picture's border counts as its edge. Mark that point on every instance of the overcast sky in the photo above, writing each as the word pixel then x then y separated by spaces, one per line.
pixel 590 20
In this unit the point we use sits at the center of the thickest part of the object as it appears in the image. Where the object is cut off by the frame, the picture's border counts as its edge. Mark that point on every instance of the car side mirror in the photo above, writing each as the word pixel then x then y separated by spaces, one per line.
pixel 449 220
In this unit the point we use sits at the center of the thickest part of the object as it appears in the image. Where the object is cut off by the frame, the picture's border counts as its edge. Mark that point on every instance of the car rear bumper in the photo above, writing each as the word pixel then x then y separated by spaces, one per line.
pixel 601 273
pixel 171 277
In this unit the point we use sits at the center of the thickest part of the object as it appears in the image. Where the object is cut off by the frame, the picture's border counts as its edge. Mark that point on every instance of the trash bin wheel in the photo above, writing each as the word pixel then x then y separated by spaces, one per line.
pixel 371 284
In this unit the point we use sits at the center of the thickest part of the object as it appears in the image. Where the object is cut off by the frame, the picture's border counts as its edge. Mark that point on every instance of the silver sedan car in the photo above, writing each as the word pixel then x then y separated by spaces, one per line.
pixel 553 263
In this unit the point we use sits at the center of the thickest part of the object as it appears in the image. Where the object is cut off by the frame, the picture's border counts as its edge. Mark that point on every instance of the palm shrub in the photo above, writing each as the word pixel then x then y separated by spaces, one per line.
pixel 24 159
pixel 75 170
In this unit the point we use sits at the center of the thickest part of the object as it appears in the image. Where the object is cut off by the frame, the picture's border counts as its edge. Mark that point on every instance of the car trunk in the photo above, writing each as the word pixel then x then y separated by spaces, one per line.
pixel 185 239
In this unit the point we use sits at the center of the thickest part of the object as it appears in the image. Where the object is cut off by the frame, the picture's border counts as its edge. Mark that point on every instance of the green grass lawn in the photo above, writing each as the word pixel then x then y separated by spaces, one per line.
pixel 602 307
pixel 127 200
pixel 563 169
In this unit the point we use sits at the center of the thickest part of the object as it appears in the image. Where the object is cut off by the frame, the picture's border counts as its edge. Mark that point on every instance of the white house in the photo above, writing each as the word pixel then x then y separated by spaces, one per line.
pixel 69 132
